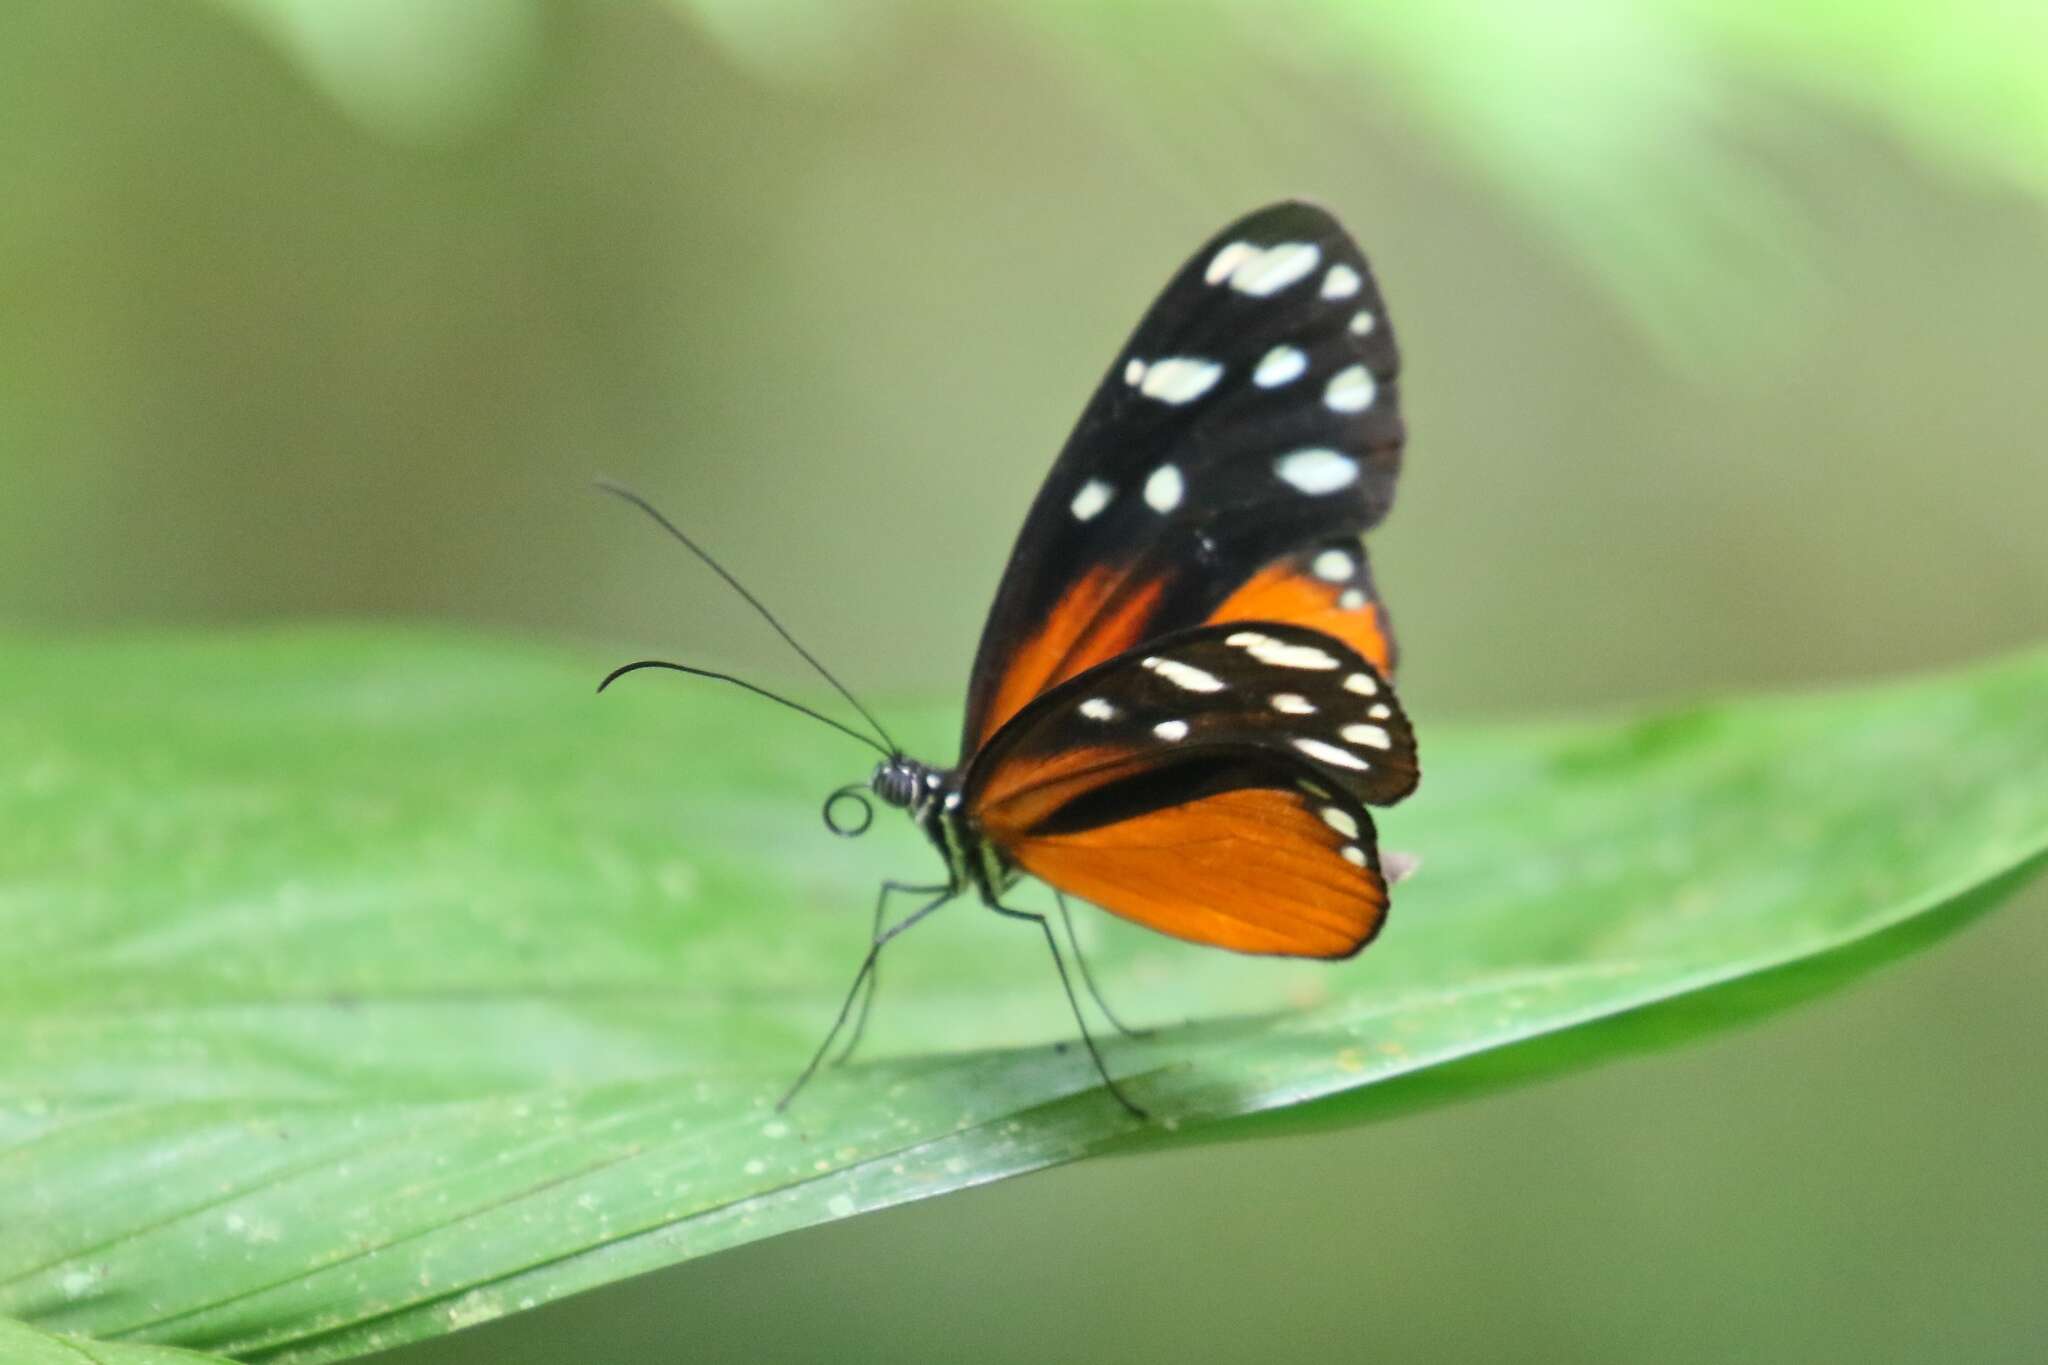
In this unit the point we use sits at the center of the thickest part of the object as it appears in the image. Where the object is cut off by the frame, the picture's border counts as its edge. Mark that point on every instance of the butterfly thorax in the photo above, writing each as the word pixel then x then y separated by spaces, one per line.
pixel 932 797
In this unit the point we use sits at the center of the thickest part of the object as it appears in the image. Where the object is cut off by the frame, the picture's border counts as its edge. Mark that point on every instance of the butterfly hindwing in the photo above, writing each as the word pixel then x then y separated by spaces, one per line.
pixel 1211 785
pixel 1258 866
pixel 1278 689
pixel 1252 419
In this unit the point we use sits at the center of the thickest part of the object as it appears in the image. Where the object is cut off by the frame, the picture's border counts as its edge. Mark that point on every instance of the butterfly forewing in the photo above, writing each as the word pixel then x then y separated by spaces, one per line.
pixel 1253 418
pixel 1327 587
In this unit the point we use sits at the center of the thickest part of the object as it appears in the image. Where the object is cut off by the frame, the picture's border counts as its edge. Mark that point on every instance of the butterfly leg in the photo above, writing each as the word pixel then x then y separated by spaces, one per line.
pixel 1088 977
pixel 1073 1002
pixel 867 967
pixel 874 977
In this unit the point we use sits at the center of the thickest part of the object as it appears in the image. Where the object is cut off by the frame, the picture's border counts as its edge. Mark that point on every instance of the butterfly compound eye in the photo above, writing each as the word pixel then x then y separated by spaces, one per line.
pixel 896 782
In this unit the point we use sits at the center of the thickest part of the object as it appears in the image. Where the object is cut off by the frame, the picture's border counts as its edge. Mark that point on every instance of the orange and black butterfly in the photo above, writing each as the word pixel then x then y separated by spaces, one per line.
pixel 1182 708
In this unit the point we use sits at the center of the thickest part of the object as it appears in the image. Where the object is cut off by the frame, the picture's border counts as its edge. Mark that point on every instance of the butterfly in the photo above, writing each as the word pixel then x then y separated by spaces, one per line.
pixel 1181 709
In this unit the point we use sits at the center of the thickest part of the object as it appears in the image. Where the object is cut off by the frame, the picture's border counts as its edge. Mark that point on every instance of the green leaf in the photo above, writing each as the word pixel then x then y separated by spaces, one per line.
pixel 21 1344
pixel 368 984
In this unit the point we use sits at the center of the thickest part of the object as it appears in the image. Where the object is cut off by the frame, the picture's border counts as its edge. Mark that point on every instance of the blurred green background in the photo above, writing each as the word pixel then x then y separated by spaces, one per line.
pixel 1724 331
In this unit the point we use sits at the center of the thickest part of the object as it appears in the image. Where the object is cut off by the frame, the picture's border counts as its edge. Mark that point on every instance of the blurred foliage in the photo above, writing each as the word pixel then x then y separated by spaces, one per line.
pixel 479 1001
pixel 1613 125
pixel 422 72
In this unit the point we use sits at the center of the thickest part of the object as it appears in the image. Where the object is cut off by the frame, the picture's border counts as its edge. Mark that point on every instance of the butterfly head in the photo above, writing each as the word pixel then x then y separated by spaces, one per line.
pixel 907 784
pixel 898 781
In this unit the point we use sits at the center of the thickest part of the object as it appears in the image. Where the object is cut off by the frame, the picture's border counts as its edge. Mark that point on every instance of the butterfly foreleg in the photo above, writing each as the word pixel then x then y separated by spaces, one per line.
pixel 1088 977
pixel 874 976
pixel 867 968
pixel 1059 961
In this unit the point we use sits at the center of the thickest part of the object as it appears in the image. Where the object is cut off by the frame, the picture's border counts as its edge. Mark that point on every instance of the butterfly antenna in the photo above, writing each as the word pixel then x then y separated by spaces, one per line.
pixel 623 669
pixel 628 495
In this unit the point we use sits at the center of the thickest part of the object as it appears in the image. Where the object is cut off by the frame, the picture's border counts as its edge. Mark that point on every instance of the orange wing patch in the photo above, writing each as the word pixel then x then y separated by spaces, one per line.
pixel 1078 635
pixel 1282 592
pixel 1255 870
pixel 1021 791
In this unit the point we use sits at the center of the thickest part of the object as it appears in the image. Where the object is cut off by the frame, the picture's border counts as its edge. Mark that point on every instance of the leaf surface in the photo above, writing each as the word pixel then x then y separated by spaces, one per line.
pixel 367 984
pixel 21 1344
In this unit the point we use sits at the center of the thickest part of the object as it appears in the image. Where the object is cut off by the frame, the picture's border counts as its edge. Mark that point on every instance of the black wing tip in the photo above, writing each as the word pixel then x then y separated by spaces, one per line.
pixel 1292 204
pixel 1291 217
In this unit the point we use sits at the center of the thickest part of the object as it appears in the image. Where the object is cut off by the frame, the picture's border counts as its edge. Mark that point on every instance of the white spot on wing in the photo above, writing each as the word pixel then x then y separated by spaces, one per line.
pixel 1093 497
pixel 1293 704
pixel 1341 282
pixel 1317 470
pixel 1179 379
pixel 1279 653
pixel 1281 365
pixel 1380 711
pixel 1329 753
pixel 1372 736
pixel 1185 676
pixel 1334 566
pixel 1354 855
pixel 1265 272
pixel 1350 390
pixel 1351 599
pixel 1171 729
pixel 1163 490
pixel 1363 684
pixel 1095 708
pixel 1361 322
pixel 1339 819
pixel 1134 370
pixel 1227 260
